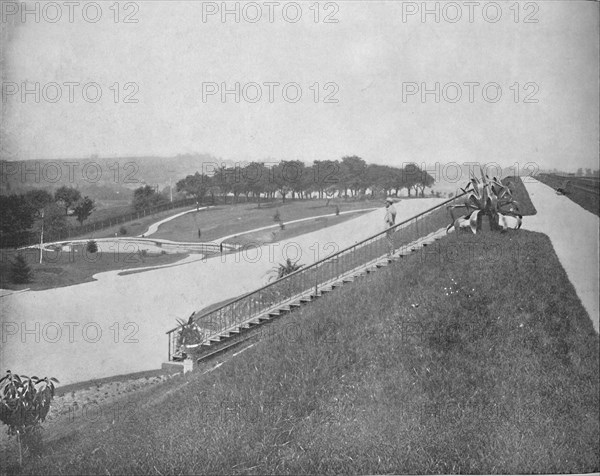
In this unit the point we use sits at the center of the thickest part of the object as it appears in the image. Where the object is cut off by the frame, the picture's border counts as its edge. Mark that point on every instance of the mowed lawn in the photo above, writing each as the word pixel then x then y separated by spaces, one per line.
pixel 519 193
pixel 66 269
pixel 60 268
pixel 456 359
pixel 224 220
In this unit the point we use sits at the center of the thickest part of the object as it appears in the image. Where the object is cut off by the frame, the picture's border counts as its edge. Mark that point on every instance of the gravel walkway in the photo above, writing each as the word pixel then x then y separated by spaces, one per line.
pixel 574 235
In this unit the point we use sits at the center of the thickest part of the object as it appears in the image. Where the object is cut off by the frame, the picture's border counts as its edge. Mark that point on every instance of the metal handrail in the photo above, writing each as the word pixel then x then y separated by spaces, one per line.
pixel 304 271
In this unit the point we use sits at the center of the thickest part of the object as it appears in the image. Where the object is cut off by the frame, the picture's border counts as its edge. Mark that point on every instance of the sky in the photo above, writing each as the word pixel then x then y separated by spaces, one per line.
pixel 360 68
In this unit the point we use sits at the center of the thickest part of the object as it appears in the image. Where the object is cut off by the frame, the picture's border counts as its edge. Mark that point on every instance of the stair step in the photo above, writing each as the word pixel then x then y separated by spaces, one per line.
pixel 297 304
pixel 348 279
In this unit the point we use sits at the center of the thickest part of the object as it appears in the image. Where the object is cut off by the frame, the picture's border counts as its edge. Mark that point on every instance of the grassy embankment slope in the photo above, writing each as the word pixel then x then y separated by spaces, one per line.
pixel 456 359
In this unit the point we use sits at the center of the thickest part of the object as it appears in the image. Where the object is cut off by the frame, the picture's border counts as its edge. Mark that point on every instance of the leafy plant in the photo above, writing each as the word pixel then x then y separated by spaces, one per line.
pixel 486 198
pixel 20 272
pixel 277 217
pixel 122 231
pixel 24 404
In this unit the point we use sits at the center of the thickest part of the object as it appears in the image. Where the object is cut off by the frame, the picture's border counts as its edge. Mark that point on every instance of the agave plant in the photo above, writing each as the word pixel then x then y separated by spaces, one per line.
pixel 489 198
pixel 189 336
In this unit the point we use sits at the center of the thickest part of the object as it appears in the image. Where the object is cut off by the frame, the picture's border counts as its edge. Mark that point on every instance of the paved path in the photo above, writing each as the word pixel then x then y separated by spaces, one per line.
pixel 116 326
pixel 154 227
pixel 574 235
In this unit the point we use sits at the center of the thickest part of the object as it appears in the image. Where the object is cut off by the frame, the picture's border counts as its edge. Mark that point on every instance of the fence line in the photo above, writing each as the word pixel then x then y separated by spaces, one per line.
pixel 311 278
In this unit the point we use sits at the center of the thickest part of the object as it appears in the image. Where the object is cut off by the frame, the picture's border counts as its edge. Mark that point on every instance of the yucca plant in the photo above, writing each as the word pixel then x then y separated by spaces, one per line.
pixel 489 198
pixel 189 336
pixel 283 269
pixel 24 404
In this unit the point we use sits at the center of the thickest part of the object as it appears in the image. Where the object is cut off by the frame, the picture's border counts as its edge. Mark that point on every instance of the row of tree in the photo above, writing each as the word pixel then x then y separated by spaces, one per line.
pixel 26 213
pixel 350 177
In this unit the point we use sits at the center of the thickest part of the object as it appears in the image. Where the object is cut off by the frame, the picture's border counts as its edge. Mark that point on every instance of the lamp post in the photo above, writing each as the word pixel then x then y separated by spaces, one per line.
pixel 42 238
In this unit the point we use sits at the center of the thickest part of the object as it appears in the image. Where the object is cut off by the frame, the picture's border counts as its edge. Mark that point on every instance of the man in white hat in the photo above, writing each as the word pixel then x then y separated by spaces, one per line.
pixel 390 220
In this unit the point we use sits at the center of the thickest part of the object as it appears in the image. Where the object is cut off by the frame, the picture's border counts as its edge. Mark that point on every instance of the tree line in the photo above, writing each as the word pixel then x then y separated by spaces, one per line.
pixel 350 177
pixel 26 213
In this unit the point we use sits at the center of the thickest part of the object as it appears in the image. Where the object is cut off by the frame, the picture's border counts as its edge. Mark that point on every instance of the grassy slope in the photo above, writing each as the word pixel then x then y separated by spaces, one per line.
pixel 226 220
pixel 519 192
pixel 458 360
pixel 587 200
pixel 291 230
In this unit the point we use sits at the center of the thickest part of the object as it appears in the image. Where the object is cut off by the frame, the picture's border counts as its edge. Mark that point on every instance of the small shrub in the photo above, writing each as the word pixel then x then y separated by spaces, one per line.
pixel 24 404
pixel 337 210
pixel 122 231
pixel 277 216
pixel 91 246
pixel 143 253
pixel 163 252
pixel 20 272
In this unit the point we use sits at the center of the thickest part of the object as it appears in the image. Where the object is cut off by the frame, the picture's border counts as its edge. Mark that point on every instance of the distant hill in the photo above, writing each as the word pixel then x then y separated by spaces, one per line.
pixel 102 176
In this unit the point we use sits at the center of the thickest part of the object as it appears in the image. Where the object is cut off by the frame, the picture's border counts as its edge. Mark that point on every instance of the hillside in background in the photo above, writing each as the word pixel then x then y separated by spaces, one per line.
pixel 101 178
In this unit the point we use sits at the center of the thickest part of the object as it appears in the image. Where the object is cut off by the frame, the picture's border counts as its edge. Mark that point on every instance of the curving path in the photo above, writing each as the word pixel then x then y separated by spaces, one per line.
pixel 117 326
pixel 154 227
pixel 574 235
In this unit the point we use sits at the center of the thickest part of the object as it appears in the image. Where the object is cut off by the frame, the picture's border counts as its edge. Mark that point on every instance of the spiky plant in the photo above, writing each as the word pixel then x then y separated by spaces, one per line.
pixel 189 336
pixel 486 197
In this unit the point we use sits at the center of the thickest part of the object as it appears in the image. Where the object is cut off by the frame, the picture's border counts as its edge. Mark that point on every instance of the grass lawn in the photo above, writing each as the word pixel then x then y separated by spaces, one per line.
pixel 60 269
pixel 584 192
pixel 290 230
pixel 457 359
pixel 519 193
pixel 223 220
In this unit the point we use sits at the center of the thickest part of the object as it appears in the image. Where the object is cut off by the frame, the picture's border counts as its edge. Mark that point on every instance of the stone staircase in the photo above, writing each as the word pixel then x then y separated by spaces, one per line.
pixel 236 333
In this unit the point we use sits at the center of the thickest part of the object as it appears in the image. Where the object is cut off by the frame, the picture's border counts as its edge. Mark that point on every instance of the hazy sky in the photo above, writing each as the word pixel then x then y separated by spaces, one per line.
pixel 374 53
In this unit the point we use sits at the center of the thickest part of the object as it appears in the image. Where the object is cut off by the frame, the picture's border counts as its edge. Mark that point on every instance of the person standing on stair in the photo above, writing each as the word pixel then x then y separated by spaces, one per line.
pixel 390 221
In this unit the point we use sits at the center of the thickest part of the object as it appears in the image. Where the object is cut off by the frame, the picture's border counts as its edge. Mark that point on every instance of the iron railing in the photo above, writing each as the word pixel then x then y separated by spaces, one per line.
pixel 309 279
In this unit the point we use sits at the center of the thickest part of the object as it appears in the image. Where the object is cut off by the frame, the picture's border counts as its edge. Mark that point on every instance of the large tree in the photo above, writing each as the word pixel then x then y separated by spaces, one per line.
pixel 146 197
pixel 353 174
pixel 67 196
pixel 16 219
pixel 38 199
pixel 84 209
